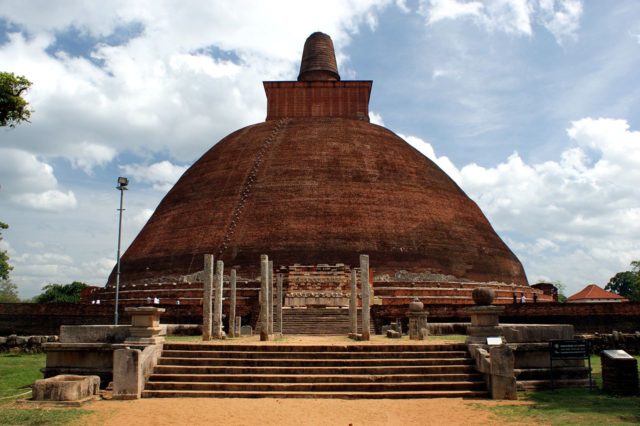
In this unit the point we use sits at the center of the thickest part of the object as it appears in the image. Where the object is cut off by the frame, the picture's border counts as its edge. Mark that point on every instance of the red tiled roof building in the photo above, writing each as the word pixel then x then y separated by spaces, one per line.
pixel 592 293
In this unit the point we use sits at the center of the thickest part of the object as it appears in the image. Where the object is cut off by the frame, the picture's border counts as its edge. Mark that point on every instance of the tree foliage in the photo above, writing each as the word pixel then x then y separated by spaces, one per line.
pixel 14 109
pixel 562 291
pixel 626 284
pixel 61 293
pixel 5 268
pixel 8 292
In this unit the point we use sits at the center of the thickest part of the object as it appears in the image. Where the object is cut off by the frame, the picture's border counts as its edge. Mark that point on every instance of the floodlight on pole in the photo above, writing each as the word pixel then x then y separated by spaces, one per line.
pixel 122 186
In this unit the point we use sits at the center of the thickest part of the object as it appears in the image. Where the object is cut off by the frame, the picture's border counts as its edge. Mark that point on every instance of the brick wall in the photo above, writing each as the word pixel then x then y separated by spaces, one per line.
pixel 32 319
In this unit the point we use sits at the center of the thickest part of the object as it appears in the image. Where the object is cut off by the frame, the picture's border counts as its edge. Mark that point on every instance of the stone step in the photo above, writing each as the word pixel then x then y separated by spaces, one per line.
pixel 310 354
pixel 558 373
pixel 305 370
pixel 546 384
pixel 312 362
pixel 315 348
pixel 315 371
pixel 317 378
pixel 317 395
pixel 314 387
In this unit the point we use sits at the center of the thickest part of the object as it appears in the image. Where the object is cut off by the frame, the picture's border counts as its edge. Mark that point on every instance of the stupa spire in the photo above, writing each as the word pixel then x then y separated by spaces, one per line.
pixel 318 59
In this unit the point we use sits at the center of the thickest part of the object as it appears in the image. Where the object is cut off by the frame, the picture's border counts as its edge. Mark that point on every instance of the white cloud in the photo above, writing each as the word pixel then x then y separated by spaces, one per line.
pixel 438 10
pixel 191 73
pixel 426 149
pixel 376 118
pixel 561 18
pixel 52 200
pixel 86 156
pixel 142 217
pixel 578 216
pixel 31 183
pixel 161 175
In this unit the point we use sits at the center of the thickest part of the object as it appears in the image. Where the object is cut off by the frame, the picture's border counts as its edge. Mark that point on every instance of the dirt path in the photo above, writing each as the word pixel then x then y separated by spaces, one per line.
pixel 298 412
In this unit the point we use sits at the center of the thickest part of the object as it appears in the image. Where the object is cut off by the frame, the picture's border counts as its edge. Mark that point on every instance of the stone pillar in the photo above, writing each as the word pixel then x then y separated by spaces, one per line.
pixel 503 379
pixel 238 325
pixel 353 304
pixel 207 293
pixel 145 325
pixel 232 304
pixel 364 279
pixel 279 303
pixel 270 299
pixel 217 332
pixel 417 320
pixel 485 317
pixel 264 310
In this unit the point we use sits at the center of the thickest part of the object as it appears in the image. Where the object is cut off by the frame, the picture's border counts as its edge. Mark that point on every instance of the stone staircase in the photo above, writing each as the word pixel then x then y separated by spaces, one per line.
pixel 318 321
pixel 314 371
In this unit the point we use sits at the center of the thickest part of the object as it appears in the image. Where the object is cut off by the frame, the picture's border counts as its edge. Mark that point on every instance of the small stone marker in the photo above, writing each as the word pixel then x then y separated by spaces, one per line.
pixel 238 325
pixel 246 330
pixel 619 372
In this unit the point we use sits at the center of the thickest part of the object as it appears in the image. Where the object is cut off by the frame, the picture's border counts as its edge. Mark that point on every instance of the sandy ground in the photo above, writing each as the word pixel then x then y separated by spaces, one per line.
pixel 299 412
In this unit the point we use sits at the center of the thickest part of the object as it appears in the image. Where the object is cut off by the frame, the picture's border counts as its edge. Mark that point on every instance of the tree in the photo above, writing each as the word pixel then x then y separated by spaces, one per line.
pixel 5 268
pixel 626 284
pixel 61 293
pixel 8 292
pixel 14 109
pixel 561 288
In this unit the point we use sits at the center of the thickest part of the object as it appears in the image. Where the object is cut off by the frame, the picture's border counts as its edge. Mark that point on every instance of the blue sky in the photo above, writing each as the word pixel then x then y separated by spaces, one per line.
pixel 532 106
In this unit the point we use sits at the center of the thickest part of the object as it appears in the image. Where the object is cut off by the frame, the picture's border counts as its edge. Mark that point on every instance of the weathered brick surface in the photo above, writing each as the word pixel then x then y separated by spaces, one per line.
pixel 347 99
pixel 327 190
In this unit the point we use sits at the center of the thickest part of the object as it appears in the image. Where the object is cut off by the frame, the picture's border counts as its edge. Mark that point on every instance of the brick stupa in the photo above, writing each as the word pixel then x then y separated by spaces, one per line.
pixel 317 183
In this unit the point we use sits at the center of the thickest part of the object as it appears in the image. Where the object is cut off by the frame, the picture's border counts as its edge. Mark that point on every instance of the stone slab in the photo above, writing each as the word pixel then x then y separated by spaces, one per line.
pixel 65 387
pixel 94 333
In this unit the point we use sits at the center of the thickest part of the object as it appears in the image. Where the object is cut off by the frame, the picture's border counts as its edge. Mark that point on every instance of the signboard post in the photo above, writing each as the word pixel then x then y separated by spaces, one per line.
pixel 569 350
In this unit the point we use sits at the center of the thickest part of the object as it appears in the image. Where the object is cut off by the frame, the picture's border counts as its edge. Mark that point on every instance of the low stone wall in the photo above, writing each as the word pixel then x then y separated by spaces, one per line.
pixel 28 344
pixel 616 340
pixel 46 319
pixel 585 317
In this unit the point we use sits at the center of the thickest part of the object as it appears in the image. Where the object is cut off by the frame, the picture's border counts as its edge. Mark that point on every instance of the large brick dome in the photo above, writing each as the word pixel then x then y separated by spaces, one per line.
pixel 317 183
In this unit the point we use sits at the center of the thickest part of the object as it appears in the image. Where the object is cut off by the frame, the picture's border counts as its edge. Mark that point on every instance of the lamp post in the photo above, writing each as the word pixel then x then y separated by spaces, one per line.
pixel 122 186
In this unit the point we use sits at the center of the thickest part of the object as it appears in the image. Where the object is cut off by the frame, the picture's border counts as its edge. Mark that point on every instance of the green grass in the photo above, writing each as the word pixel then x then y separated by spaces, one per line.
pixel 575 406
pixel 197 338
pixel 40 416
pixel 449 338
pixel 17 374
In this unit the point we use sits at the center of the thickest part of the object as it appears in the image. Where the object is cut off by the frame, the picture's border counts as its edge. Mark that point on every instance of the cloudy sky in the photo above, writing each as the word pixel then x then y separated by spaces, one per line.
pixel 532 106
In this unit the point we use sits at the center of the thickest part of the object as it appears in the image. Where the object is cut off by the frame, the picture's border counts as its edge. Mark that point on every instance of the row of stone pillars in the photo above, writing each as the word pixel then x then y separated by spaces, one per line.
pixel 212 313
pixel 213 285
